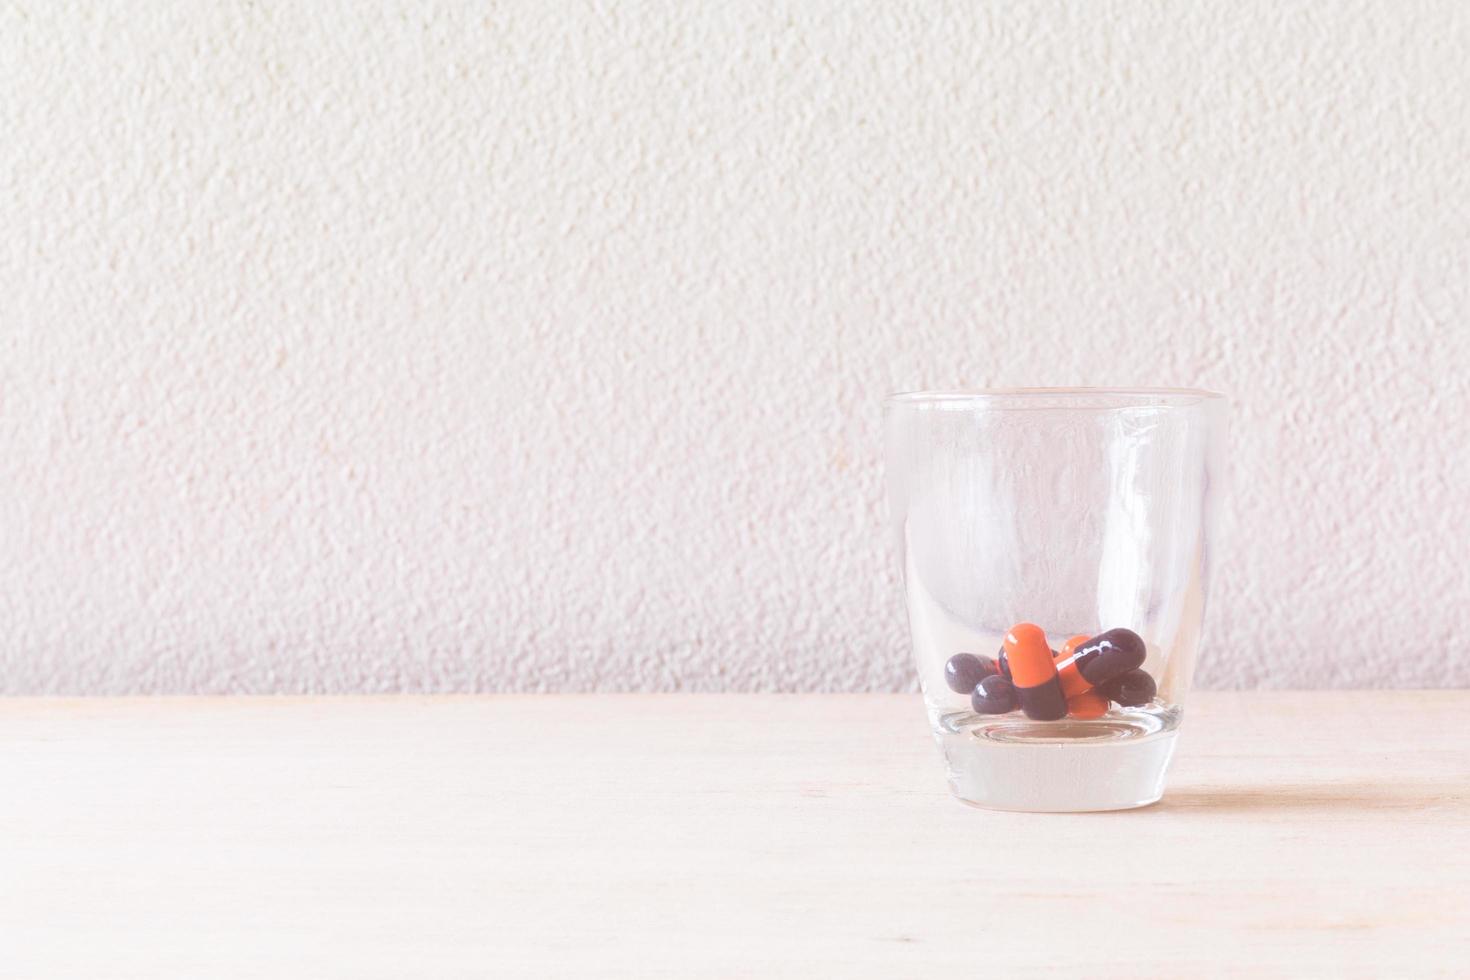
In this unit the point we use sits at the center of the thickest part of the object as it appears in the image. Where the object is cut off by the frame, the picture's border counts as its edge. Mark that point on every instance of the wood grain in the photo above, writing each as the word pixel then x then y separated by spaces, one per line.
pixel 1323 834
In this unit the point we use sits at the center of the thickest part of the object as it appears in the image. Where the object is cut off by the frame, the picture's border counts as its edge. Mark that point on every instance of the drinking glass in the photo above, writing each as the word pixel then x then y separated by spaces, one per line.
pixel 1088 512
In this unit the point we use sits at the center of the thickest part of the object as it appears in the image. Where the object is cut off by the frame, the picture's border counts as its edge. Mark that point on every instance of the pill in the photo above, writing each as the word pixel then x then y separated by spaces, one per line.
pixel 993 696
pixel 1088 704
pixel 964 670
pixel 1100 659
pixel 1071 646
pixel 1034 674
pixel 1004 666
pixel 1131 689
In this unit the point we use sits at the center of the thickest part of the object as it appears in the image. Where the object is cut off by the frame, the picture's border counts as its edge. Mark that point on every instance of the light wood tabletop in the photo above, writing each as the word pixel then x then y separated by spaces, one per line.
pixel 1323 834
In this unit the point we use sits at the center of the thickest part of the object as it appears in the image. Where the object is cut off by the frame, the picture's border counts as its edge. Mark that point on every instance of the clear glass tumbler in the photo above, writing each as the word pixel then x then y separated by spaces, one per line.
pixel 1056 554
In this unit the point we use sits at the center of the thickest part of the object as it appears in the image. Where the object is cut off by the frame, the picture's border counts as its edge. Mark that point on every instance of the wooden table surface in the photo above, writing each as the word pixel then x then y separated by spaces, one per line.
pixel 1321 834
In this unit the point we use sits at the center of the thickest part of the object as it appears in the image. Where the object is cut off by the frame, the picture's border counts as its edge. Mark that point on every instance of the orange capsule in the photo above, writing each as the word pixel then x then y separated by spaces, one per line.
pixel 1034 673
pixel 1100 659
pixel 1088 704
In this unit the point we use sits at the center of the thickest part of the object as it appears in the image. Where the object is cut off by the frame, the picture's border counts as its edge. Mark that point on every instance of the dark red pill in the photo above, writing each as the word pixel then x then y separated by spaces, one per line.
pixel 994 696
pixel 964 670
pixel 1132 689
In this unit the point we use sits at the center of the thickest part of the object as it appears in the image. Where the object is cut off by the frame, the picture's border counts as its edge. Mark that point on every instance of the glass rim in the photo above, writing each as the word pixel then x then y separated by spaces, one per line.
pixel 1079 398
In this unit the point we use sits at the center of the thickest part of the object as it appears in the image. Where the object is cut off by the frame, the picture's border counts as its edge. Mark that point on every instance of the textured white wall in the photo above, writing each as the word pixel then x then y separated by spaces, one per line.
pixel 540 346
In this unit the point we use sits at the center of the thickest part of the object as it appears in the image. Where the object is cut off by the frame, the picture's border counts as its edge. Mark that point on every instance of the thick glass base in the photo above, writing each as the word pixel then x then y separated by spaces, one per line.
pixel 1009 762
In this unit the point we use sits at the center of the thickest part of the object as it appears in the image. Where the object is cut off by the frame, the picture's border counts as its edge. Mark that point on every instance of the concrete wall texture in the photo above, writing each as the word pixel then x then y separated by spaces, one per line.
pixel 540 346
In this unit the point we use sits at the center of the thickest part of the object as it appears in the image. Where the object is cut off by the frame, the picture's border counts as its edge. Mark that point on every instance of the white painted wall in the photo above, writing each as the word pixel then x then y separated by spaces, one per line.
pixel 539 346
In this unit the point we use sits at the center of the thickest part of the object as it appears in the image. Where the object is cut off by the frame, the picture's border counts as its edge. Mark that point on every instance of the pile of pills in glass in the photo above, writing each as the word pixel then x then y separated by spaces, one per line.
pixel 1078 681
